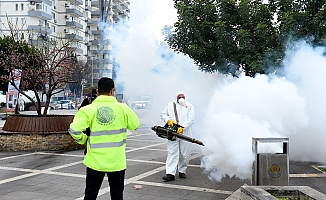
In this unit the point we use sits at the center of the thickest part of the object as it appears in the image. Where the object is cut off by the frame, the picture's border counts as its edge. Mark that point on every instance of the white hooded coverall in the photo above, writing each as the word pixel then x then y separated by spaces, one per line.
pixel 179 150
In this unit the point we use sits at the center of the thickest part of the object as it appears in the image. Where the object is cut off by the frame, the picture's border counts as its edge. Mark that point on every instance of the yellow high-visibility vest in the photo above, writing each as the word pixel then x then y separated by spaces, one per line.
pixel 108 121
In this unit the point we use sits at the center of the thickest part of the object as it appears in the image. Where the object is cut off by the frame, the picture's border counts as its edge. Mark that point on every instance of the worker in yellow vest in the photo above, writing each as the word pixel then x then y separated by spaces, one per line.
pixel 108 121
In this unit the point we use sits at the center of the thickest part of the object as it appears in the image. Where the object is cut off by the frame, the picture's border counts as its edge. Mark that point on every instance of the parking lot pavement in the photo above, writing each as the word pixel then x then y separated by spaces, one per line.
pixel 61 175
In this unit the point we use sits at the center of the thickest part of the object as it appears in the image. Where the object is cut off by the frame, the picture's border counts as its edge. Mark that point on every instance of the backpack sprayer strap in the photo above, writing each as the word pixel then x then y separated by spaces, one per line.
pixel 175 113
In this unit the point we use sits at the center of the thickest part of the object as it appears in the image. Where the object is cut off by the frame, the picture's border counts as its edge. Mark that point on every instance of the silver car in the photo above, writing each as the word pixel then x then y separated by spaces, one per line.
pixel 65 104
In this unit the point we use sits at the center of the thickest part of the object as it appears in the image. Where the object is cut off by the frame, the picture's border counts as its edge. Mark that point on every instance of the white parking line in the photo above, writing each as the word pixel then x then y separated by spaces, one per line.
pixel 18 177
pixel 144 147
pixel 33 172
pixel 9 157
pixel 184 187
pixel 59 154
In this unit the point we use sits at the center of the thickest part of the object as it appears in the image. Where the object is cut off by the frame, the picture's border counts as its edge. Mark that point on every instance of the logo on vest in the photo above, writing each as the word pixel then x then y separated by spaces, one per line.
pixel 105 115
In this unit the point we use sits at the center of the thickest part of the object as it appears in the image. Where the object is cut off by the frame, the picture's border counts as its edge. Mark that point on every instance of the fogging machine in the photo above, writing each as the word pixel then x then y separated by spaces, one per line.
pixel 170 133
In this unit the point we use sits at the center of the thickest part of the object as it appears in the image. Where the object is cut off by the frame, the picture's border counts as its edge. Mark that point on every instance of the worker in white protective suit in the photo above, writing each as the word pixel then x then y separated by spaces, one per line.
pixel 182 113
pixel 21 103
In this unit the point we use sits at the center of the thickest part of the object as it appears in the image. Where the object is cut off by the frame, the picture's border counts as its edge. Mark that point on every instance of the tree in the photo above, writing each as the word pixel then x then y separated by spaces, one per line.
pixel 45 67
pixel 230 36
pixel 82 71
pixel 303 19
pixel 4 48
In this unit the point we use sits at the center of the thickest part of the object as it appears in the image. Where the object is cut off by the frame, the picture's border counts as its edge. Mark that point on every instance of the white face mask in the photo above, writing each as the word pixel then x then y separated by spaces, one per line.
pixel 182 101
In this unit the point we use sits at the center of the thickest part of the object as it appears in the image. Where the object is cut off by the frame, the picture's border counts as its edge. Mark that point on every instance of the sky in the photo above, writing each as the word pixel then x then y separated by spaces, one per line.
pixel 229 111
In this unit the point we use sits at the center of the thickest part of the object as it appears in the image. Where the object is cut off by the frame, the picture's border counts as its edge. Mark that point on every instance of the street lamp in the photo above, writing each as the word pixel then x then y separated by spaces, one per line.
pixel 82 90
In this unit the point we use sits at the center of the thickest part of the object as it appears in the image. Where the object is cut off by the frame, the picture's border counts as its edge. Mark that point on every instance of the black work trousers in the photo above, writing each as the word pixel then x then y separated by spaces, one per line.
pixel 94 181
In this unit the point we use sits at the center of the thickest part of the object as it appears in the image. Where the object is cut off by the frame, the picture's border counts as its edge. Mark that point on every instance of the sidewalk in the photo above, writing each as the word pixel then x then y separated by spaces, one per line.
pixel 61 175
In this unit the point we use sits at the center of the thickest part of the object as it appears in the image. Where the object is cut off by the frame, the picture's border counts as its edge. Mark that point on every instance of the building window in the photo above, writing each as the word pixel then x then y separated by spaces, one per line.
pixel 22 6
pixel 22 20
pixel 106 74
pixel 16 6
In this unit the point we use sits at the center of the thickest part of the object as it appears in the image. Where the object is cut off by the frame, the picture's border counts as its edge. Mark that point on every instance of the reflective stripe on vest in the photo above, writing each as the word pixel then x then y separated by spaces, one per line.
pixel 112 132
pixel 73 132
pixel 107 144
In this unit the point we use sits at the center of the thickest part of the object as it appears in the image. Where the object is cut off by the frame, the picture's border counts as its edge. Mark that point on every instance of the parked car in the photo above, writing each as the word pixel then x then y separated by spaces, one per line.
pixel 143 103
pixel 52 105
pixel 65 104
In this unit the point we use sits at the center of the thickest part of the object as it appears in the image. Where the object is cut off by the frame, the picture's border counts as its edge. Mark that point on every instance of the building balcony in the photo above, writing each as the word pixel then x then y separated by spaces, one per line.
pixel 42 42
pixel 117 1
pixel 117 9
pixel 74 24
pixel 95 42
pixel 88 21
pixel 124 14
pixel 93 52
pixel 107 61
pixel 88 8
pixel 39 29
pixel 74 37
pixel 77 2
pixel 124 5
pixel 88 43
pixel 95 3
pixel 39 14
pixel 74 12
pixel 98 51
pixel 36 42
pixel 96 32
pixel 115 17
pixel 95 22
pixel 44 1
pixel 89 56
pixel 79 51
pixel 107 51
pixel 89 31
pixel 95 13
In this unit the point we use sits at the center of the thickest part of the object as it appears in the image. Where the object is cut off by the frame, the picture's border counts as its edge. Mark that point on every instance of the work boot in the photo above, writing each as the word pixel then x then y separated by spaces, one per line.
pixel 182 175
pixel 168 177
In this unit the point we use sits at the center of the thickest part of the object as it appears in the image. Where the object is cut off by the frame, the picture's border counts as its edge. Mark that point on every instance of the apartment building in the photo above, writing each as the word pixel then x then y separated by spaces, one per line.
pixel 78 20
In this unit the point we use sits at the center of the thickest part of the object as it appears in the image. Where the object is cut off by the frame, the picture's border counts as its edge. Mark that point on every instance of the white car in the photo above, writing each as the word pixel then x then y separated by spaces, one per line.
pixel 143 103
pixel 65 104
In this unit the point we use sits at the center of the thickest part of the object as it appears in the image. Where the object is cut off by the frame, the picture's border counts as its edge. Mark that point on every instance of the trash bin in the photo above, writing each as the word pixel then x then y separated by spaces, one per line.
pixel 271 168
